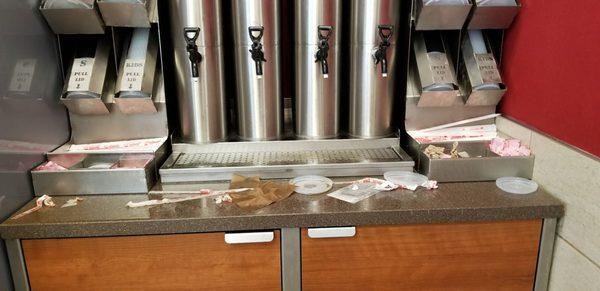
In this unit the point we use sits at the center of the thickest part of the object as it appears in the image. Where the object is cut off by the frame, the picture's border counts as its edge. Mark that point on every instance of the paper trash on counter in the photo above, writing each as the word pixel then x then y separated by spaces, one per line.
pixel 409 180
pixel 72 202
pixel 429 184
pixel 362 189
pixel 355 192
pixel 44 200
pixel 264 192
pixel 204 193
pixel 222 199
pixel 380 184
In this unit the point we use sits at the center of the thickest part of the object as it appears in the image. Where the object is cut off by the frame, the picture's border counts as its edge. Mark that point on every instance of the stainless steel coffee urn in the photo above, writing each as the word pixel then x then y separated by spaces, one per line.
pixel 257 66
pixel 373 34
pixel 317 35
pixel 196 33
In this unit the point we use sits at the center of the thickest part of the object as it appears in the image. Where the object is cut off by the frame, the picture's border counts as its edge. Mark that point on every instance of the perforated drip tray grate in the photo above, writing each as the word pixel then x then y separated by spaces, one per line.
pixel 233 159
pixel 284 159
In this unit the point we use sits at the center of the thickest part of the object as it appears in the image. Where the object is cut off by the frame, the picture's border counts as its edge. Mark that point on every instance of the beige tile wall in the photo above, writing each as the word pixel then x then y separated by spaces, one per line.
pixel 573 177
pixel 571 270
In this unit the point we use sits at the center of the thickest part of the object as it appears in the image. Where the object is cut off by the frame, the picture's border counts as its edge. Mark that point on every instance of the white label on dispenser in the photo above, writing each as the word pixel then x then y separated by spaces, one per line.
pixel 22 75
pixel 81 74
pixel 133 74
pixel 487 66
pixel 440 68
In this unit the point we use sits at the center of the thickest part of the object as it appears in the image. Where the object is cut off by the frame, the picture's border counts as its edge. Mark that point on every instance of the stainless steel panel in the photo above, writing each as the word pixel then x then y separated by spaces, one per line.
pixel 419 117
pixel 371 95
pixel 441 16
pixel 317 97
pixel 74 21
pixel 310 14
pixel 200 83
pixel 95 100
pixel 366 15
pixel 88 106
pixel 485 97
pixel 286 145
pixel 248 13
pixel 544 263
pixel 79 179
pixel 140 102
pixel 479 70
pixel 259 99
pixel 426 61
pixel 433 69
pixel 318 30
pixel 291 268
pixel 148 105
pixel 284 159
pixel 101 66
pixel 257 67
pixel 203 14
pixel 375 26
pixel 17 265
pixel 118 125
pixel 126 13
pixel 493 17
pixel 32 121
pixel 92 182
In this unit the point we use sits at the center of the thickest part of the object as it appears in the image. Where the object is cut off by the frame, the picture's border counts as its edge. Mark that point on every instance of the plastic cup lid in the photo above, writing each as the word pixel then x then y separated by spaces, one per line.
pixel 405 178
pixel 516 185
pixel 311 185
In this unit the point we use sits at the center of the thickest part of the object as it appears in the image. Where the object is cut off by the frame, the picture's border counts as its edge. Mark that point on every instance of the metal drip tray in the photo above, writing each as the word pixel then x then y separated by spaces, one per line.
pixel 234 159
pixel 284 159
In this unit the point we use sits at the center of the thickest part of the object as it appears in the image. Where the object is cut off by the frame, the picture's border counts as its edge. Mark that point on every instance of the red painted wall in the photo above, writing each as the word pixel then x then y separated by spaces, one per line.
pixel 551 65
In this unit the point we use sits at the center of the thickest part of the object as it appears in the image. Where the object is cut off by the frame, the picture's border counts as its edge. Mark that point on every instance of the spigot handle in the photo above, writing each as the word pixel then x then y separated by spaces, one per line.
pixel 190 34
pixel 385 33
pixel 324 32
pixel 256 34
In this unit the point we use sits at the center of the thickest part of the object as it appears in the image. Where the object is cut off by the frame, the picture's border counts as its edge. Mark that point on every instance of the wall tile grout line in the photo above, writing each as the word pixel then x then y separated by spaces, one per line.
pixel 577 250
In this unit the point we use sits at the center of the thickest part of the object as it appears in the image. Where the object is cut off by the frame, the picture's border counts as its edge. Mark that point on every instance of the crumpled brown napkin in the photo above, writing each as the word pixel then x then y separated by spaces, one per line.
pixel 264 192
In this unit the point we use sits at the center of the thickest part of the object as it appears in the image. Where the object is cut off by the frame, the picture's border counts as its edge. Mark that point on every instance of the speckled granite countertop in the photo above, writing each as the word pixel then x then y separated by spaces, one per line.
pixel 107 215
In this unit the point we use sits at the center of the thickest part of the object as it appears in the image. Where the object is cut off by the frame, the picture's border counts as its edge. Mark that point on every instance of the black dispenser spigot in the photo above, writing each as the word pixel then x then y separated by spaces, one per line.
pixel 256 34
pixel 385 33
pixel 190 34
pixel 323 51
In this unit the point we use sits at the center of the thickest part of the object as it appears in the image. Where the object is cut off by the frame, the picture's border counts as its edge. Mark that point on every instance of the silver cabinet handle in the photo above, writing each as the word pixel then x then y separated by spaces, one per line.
pixel 332 232
pixel 249 237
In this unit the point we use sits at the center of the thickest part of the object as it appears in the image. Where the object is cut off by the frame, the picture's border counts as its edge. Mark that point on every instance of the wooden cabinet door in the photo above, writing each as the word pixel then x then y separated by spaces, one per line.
pixel 465 256
pixel 162 262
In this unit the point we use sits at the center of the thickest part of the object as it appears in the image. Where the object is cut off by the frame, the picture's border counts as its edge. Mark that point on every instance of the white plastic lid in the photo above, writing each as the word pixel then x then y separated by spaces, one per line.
pixel 405 178
pixel 516 185
pixel 311 185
